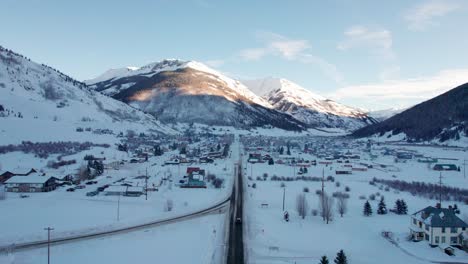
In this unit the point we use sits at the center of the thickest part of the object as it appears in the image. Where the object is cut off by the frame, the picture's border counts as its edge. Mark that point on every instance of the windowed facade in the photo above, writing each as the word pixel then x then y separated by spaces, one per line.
pixel 437 239
pixel 454 240
pixel 453 230
pixel 443 240
pixel 443 229
pixel 426 237
pixel 426 227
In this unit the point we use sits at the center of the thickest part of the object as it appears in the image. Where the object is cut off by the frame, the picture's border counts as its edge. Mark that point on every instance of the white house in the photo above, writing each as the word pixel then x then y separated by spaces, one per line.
pixel 437 226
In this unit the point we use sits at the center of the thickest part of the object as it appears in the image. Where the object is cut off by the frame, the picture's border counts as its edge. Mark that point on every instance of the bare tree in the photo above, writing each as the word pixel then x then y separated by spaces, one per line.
pixel 169 205
pixel 83 173
pixel 326 207
pixel 2 192
pixel 301 205
pixel 342 206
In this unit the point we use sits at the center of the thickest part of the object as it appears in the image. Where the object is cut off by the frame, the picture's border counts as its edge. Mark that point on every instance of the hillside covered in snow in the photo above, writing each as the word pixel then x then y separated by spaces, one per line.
pixel 314 110
pixel 188 91
pixel 40 103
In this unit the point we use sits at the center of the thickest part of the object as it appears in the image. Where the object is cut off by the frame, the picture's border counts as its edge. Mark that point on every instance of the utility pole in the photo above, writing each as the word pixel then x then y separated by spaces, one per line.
pixel 464 168
pixel 284 195
pixel 48 229
pixel 440 189
pixel 146 185
pixel 118 208
pixel 323 192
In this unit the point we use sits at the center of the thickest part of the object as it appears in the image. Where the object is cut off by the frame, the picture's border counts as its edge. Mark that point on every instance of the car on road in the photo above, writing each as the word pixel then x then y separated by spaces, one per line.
pixel 80 187
pixel 238 221
pixel 70 189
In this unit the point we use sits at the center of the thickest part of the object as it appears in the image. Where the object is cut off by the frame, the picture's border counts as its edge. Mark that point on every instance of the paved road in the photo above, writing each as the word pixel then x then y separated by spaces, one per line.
pixel 236 237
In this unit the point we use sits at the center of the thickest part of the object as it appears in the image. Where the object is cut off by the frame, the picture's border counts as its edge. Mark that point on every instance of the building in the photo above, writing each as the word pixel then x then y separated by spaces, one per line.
pixel 124 190
pixel 31 183
pixel 5 175
pixel 445 167
pixel 437 226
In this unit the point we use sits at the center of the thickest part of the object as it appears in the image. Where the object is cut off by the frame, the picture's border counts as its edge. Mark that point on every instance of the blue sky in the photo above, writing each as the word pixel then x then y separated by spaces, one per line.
pixel 365 53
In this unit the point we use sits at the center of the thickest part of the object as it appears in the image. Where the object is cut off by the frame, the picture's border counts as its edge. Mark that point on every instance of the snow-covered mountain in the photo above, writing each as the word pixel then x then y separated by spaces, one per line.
pixel 189 91
pixel 443 118
pixel 35 97
pixel 384 114
pixel 304 105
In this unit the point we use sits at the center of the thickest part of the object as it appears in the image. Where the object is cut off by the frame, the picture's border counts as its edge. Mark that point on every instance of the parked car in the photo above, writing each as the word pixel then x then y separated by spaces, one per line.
pixel 70 189
pixel 181 181
pixel 80 187
pixel 93 193
pixel 24 196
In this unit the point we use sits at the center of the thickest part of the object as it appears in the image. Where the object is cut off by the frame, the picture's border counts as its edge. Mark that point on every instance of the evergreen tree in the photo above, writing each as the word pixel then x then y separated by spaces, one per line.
pixel 341 258
pixel 401 207
pixel 404 207
pixel 367 209
pixel 288 152
pixel 271 161
pixel 382 207
pixel 281 150
pixel 324 260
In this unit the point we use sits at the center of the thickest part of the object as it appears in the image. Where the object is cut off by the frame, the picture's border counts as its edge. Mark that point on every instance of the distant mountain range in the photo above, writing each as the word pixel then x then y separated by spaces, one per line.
pixel 311 109
pixel 442 118
pixel 189 91
pixel 381 115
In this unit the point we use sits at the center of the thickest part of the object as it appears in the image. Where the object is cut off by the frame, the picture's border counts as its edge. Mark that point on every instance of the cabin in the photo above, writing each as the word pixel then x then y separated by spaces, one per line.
pixel 31 183
pixel 437 226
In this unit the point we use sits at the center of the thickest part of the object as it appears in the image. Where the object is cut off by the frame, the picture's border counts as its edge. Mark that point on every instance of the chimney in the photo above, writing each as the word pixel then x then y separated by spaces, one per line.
pixel 438 205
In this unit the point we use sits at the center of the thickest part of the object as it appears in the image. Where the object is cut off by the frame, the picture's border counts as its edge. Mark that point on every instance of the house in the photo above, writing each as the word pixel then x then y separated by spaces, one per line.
pixel 31 183
pixel 125 190
pixel 445 167
pixel 196 178
pixel 5 175
pixel 255 158
pixel 343 170
pixel 437 226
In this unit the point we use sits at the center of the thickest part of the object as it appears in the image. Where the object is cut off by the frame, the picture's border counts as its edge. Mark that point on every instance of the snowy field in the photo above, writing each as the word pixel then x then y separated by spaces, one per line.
pixel 72 213
pixel 272 240
pixel 198 241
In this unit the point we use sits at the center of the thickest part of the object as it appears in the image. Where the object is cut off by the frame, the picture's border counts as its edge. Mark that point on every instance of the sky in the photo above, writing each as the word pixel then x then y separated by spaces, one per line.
pixel 363 53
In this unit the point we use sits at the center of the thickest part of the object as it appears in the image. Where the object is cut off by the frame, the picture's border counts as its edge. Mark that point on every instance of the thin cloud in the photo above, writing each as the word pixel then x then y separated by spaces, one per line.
pixel 421 17
pixel 289 49
pixel 378 41
pixel 416 89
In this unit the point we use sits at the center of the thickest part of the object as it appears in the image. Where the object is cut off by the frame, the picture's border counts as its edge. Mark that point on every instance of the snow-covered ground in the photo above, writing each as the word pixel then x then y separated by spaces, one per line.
pixel 198 241
pixel 72 213
pixel 272 240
